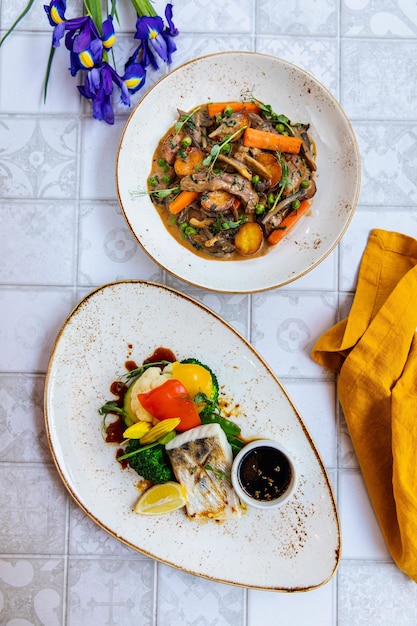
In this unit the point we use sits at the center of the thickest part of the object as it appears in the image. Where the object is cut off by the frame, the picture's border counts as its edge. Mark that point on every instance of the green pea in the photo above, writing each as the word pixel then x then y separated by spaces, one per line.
pixel 259 209
pixel 271 198
pixel 189 231
pixel 187 141
pixel 166 179
pixel 280 128
pixel 295 204
pixel 255 179
pixel 305 184
pixel 228 111
pixel 161 162
pixel 153 181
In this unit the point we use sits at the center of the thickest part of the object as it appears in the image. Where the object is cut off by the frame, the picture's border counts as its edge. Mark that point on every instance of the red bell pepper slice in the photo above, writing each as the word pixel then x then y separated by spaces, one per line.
pixel 171 399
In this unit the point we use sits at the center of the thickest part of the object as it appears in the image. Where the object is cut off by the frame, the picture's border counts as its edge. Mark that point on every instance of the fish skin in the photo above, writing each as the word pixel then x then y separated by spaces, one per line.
pixel 201 459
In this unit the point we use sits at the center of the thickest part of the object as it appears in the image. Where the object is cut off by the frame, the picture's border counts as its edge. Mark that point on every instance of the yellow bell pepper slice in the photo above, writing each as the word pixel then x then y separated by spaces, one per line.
pixel 195 378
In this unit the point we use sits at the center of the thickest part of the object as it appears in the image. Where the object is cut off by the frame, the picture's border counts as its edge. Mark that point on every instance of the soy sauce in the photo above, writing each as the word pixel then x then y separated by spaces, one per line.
pixel 265 473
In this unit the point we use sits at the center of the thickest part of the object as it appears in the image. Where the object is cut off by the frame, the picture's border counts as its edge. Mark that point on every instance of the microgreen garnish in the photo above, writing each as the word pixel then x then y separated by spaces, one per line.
pixel 159 193
pixel 211 159
pixel 184 119
pixel 218 473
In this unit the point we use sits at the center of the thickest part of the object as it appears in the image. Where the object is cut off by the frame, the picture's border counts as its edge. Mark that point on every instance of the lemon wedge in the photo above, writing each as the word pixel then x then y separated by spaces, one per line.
pixel 161 499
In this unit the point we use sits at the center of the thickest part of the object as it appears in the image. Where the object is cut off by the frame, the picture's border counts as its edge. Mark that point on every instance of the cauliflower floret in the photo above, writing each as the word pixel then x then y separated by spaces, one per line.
pixel 151 378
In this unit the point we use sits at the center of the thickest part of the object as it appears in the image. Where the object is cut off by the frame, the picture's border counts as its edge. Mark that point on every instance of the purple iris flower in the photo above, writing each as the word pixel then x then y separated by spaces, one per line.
pixel 155 38
pixel 98 88
pixel 109 36
pixel 135 75
pixel 56 16
pixel 87 58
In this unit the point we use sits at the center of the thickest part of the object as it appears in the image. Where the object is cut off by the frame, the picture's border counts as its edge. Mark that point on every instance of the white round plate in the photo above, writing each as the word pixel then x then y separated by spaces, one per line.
pixel 295 547
pixel 289 90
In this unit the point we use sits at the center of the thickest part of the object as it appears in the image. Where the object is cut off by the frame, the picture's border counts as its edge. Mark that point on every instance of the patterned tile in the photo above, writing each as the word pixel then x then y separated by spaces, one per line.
pixel 108 250
pixel 315 401
pixel 373 74
pixel 23 62
pixel 22 424
pixel 88 538
pixel 38 157
pixel 31 320
pixel 233 308
pixel 305 17
pixel 32 591
pixel 110 591
pixel 319 57
pixel 315 608
pixel 98 156
pixel 362 537
pixel 283 332
pixel 388 163
pixel 217 16
pixel 375 593
pixel 46 232
pixel 197 601
pixel 33 522
pixel 378 18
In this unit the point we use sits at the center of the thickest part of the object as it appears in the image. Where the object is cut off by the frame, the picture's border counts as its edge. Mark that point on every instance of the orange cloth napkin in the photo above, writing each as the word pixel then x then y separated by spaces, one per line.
pixel 374 350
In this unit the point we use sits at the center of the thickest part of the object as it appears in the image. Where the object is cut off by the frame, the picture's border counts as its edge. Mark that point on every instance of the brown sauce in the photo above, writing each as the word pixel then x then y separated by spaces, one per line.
pixel 114 430
pixel 265 473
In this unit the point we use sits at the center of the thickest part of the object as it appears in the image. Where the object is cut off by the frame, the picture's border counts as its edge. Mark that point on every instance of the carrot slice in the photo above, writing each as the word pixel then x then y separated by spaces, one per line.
pixel 254 138
pixel 183 200
pixel 288 222
pixel 217 108
pixel 249 239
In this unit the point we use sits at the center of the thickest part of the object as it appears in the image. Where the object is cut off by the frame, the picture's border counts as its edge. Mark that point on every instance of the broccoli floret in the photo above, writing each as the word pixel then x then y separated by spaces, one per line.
pixel 215 383
pixel 152 463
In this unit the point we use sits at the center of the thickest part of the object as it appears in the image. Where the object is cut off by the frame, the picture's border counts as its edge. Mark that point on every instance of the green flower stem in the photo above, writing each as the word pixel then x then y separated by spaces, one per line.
pixel 93 8
pixel 144 7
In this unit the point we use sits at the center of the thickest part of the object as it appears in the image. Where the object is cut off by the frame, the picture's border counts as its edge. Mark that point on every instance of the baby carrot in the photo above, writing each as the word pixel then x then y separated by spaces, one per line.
pixel 288 222
pixel 254 138
pixel 183 199
pixel 217 108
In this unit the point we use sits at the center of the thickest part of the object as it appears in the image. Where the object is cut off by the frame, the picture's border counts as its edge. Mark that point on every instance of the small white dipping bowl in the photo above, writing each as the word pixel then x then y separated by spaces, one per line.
pixel 264 474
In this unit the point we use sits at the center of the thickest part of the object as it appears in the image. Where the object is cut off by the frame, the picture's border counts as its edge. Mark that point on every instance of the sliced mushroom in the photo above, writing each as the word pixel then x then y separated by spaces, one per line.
pixel 237 165
pixel 255 166
pixel 201 223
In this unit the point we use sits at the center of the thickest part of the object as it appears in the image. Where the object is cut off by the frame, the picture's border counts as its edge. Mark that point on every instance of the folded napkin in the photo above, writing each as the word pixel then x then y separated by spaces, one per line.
pixel 374 350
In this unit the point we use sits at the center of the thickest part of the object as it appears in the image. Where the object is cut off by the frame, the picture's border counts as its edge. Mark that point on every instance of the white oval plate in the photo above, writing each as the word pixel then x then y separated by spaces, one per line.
pixel 296 547
pixel 291 91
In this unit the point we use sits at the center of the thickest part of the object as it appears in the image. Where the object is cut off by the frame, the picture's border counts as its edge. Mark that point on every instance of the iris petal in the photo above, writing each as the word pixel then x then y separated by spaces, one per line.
pixel 134 77
pixel 109 36
pixel 55 11
pixel 148 26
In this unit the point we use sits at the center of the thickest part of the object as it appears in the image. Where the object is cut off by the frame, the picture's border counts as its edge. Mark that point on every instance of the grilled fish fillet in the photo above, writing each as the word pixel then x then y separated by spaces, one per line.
pixel 202 459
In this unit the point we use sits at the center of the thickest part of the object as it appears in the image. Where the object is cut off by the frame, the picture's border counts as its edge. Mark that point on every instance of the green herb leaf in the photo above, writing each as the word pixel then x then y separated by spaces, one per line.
pixel 21 16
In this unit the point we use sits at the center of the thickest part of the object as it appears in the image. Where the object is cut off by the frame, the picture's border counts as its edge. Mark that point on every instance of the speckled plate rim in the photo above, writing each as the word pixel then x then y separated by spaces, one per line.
pixel 338 158
pixel 64 428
